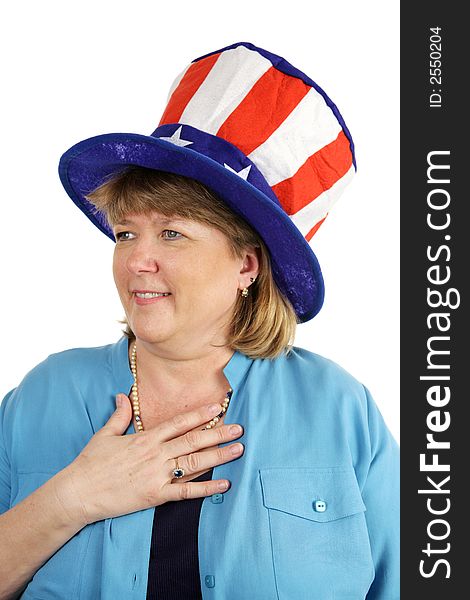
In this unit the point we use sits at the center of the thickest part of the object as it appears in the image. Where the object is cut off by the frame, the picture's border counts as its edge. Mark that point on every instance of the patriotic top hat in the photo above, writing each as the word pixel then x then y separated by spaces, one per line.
pixel 259 133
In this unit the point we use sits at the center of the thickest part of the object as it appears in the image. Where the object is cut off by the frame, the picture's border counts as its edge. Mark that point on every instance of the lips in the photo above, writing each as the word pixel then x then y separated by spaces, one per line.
pixel 149 292
pixel 150 300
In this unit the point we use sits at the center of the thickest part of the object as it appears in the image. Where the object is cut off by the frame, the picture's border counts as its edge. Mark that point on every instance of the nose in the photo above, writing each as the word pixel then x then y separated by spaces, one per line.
pixel 142 258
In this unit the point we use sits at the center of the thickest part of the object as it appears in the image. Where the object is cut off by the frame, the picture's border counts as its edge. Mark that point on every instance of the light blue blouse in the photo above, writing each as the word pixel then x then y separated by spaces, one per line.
pixel 312 512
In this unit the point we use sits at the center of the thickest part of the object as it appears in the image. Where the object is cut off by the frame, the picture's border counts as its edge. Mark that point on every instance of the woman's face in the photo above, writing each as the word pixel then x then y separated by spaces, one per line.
pixel 192 263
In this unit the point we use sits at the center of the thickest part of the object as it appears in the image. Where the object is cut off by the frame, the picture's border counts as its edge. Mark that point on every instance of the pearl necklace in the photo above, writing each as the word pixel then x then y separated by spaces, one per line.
pixel 136 404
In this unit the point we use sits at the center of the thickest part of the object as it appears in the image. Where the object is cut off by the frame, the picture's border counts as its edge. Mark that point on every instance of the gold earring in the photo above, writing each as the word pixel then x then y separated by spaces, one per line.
pixel 245 289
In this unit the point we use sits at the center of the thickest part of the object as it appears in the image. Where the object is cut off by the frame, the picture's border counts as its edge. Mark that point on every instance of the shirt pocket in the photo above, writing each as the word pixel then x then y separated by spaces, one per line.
pixel 60 575
pixel 319 538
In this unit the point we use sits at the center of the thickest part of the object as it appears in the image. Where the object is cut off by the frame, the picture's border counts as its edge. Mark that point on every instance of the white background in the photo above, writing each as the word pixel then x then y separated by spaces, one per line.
pixel 75 70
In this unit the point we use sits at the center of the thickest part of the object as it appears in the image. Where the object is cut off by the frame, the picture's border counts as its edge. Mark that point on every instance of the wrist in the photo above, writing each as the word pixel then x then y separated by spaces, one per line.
pixel 69 505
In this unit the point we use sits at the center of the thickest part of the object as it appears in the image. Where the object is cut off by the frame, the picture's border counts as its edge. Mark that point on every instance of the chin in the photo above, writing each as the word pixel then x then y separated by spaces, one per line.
pixel 150 334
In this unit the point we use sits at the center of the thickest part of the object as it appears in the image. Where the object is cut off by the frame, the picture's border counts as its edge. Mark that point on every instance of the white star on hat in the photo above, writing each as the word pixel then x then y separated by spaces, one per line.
pixel 176 139
pixel 243 173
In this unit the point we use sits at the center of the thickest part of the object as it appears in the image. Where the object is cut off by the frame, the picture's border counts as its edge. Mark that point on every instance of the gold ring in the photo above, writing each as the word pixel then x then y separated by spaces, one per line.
pixel 178 472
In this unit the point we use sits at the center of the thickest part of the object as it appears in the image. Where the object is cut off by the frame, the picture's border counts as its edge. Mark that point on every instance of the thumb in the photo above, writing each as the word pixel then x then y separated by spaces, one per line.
pixel 119 420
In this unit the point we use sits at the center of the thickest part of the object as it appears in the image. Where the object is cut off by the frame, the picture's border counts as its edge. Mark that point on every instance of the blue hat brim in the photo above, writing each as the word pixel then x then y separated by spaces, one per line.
pixel 89 163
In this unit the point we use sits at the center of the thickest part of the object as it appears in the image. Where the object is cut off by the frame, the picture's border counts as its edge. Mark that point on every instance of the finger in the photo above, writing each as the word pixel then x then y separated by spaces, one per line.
pixel 195 489
pixel 192 441
pixel 119 420
pixel 194 463
pixel 181 423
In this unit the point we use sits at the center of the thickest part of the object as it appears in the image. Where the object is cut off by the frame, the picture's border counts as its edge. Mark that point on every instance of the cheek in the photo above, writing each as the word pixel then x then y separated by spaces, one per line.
pixel 116 276
pixel 223 285
pixel 193 273
pixel 119 275
pixel 215 276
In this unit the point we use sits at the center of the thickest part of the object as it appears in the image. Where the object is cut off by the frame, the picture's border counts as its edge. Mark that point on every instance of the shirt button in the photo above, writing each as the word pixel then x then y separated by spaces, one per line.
pixel 217 498
pixel 319 506
pixel 209 580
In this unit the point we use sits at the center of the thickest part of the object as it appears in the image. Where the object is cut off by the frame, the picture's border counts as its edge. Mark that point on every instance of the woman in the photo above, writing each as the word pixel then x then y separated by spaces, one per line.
pixel 211 216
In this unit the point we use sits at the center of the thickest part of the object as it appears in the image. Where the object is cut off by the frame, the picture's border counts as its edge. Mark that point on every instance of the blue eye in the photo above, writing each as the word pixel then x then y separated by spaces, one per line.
pixel 171 237
pixel 119 235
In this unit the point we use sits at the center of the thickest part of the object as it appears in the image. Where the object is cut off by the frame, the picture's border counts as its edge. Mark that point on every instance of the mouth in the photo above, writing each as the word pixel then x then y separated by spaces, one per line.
pixel 142 298
pixel 151 294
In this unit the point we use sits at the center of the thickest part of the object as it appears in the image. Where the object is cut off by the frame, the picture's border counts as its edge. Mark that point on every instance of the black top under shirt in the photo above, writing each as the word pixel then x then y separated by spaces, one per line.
pixel 174 560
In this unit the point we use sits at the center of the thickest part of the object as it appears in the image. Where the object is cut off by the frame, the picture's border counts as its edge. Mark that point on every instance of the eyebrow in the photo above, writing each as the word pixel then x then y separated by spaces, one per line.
pixel 164 221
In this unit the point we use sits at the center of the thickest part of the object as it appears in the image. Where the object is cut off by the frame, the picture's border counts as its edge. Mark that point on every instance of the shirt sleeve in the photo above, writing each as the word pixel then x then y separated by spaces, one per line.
pixel 381 495
pixel 5 468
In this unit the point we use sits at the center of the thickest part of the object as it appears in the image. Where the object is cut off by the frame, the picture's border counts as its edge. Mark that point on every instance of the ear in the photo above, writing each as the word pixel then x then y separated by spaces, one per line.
pixel 250 266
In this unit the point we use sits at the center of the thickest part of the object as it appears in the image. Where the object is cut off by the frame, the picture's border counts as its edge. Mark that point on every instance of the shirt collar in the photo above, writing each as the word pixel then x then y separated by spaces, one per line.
pixel 237 368
pixel 122 371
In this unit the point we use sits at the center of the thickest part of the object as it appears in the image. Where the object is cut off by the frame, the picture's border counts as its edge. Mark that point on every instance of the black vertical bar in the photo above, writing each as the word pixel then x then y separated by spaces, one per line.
pixel 434 291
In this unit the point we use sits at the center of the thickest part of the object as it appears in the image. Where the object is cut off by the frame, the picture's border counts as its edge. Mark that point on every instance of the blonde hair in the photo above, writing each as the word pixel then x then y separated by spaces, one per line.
pixel 263 324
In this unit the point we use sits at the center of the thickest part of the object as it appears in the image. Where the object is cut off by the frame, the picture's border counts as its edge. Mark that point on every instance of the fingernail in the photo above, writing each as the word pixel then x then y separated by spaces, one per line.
pixel 222 485
pixel 118 401
pixel 236 449
pixel 214 409
pixel 235 429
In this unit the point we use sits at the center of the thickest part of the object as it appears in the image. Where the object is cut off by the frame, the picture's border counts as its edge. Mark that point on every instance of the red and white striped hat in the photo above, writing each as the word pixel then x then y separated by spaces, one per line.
pixel 258 132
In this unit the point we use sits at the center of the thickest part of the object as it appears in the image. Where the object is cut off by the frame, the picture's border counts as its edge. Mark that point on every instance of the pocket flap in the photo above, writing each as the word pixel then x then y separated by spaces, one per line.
pixel 317 494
